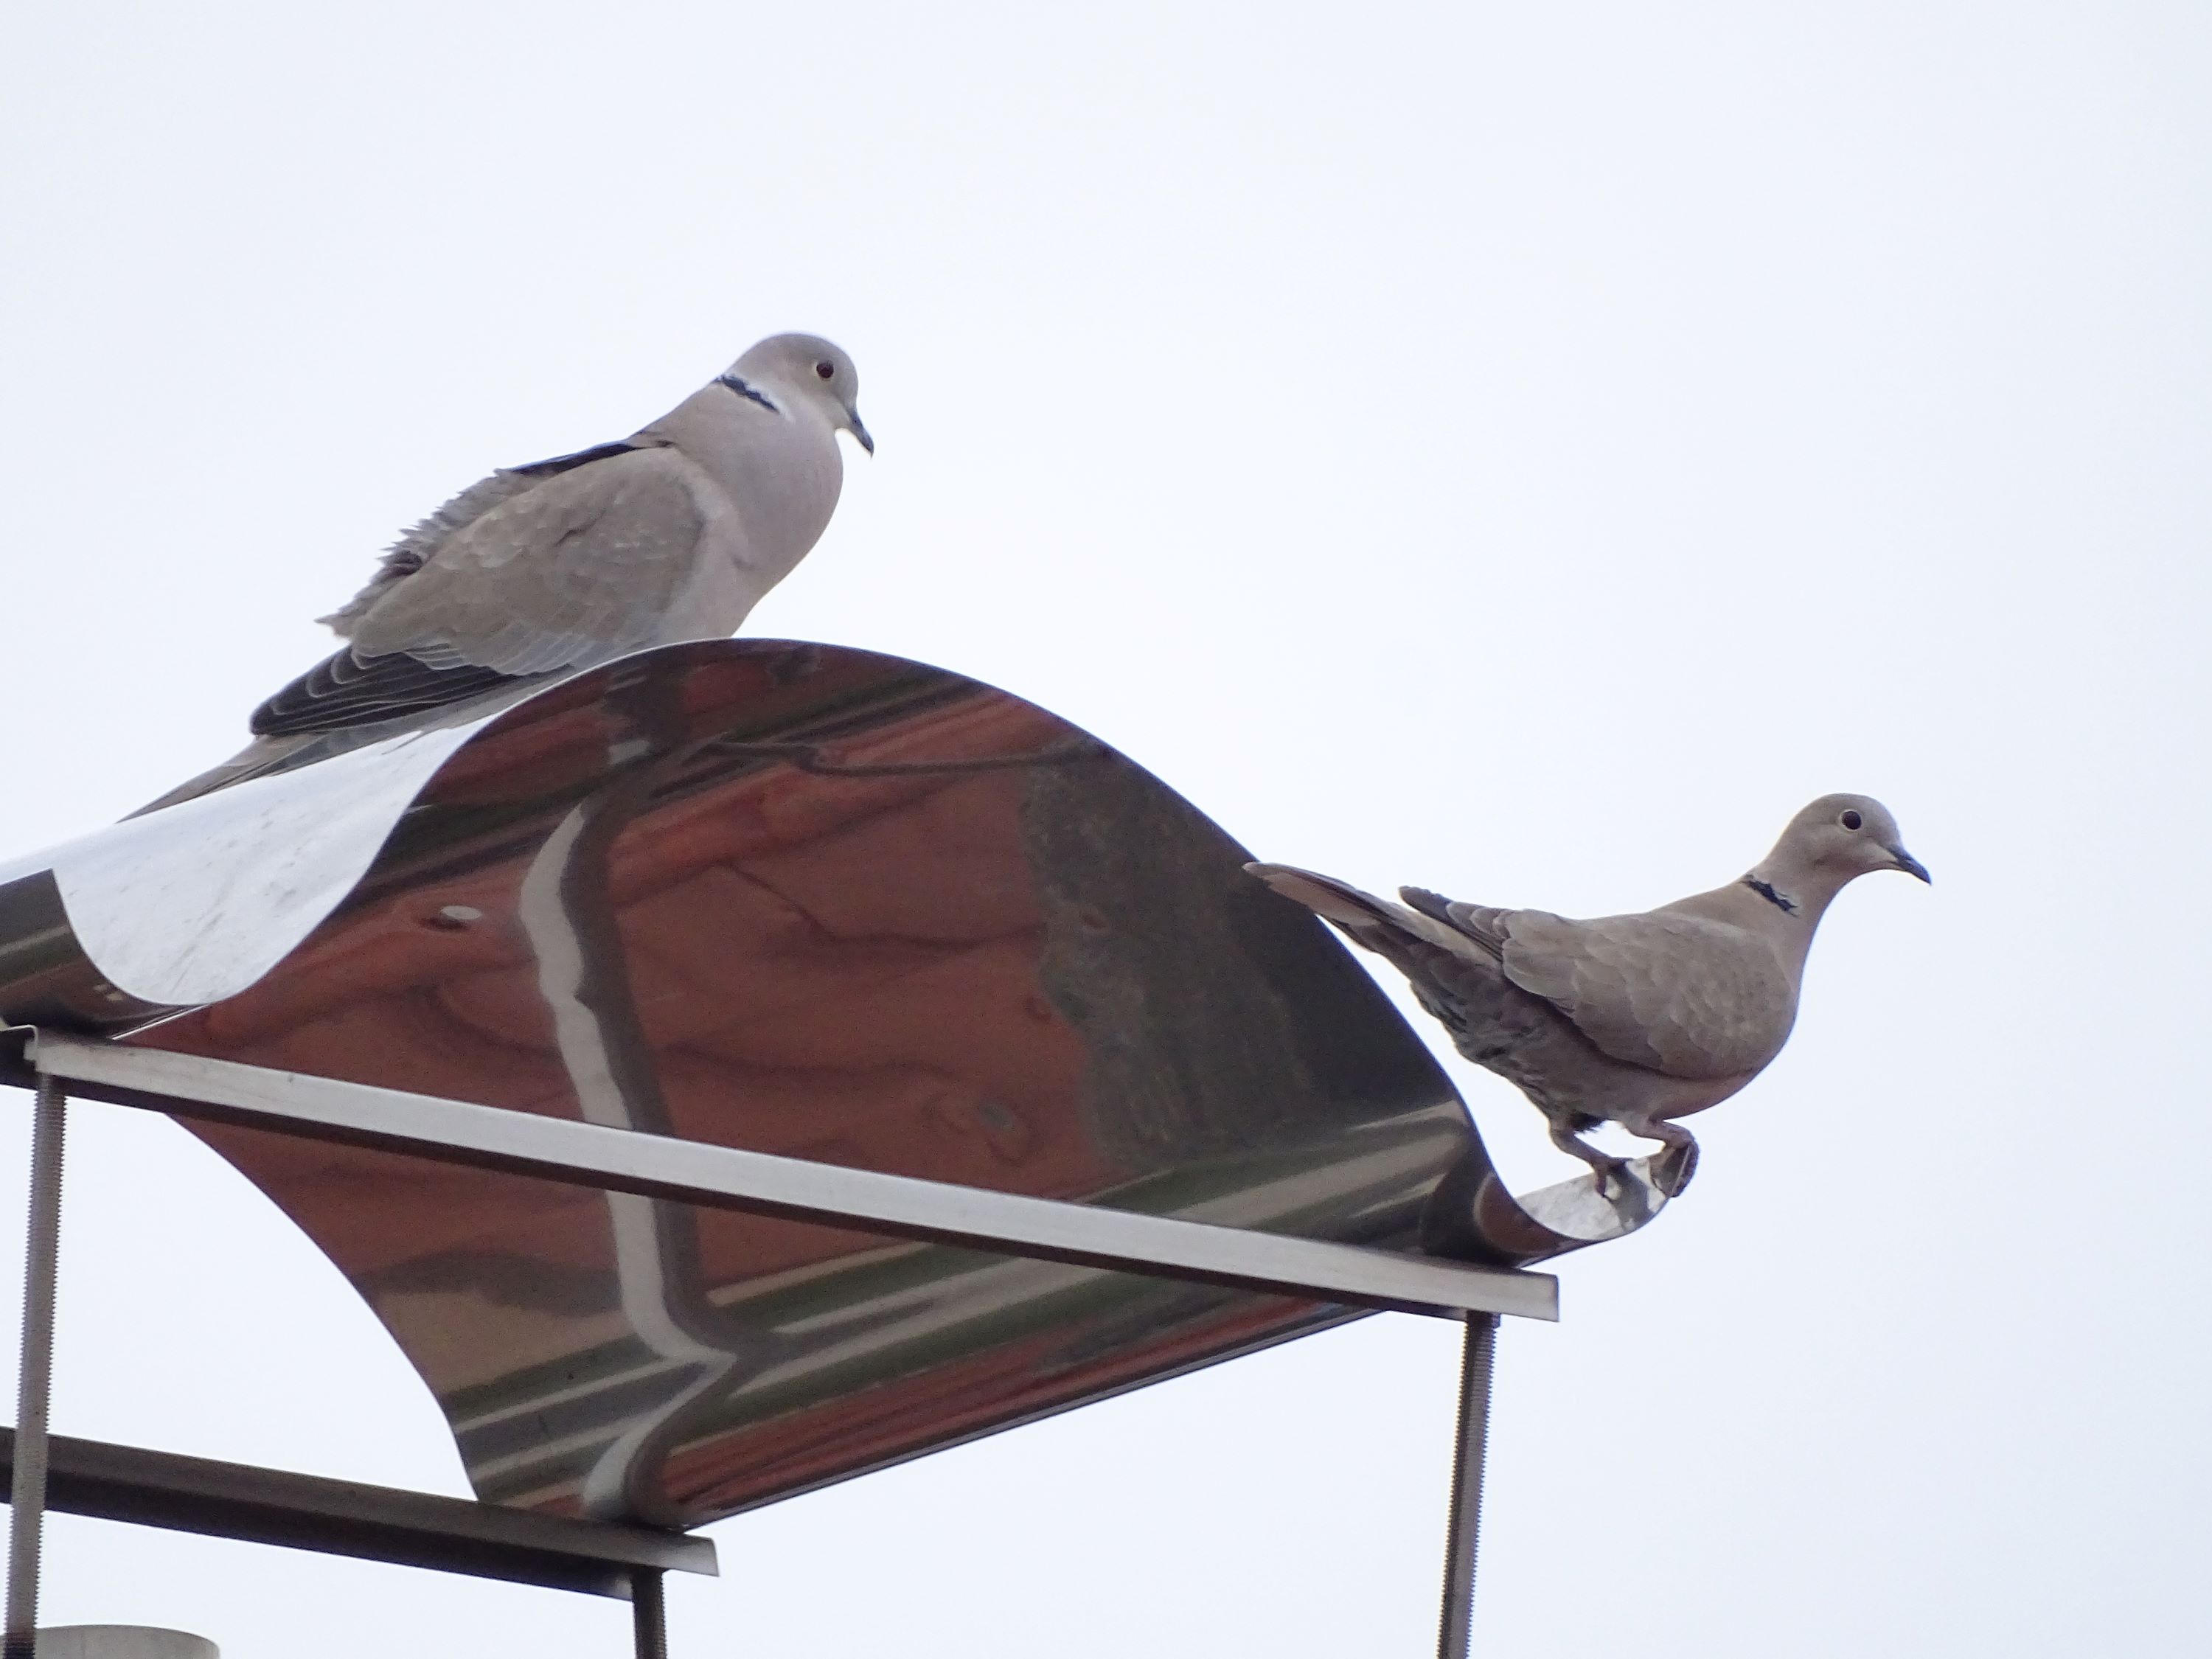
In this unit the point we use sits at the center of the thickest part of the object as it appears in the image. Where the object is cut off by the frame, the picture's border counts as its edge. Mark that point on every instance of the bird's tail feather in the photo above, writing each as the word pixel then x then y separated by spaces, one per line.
pixel 1477 922
pixel 262 755
pixel 1428 903
pixel 1367 919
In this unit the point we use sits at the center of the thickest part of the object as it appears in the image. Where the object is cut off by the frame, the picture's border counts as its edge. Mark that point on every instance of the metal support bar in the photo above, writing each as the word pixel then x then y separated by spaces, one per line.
pixel 27 1502
pixel 649 1611
pixel 694 1172
pixel 348 1517
pixel 1456 1628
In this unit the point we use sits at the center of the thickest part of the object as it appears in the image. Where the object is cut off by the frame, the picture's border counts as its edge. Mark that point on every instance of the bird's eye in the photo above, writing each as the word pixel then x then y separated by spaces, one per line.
pixel 1851 820
pixel 827 371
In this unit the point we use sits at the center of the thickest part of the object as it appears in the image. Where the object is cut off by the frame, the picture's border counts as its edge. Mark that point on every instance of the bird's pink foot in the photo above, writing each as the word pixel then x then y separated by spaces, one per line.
pixel 1614 1180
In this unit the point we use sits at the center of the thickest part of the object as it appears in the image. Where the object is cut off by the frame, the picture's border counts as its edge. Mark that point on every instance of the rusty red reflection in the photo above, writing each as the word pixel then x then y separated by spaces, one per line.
pixel 816 902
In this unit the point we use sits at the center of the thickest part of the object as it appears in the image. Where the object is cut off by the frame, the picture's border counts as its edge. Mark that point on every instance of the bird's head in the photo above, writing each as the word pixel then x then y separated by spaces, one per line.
pixel 1840 838
pixel 809 371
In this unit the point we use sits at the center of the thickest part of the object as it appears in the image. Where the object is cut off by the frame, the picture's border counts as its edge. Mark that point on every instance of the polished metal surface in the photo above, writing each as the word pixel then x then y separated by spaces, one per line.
pixel 122 1642
pixel 27 1482
pixel 195 904
pixel 796 1189
pixel 349 1517
pixel 793 901
pixel 1470 1456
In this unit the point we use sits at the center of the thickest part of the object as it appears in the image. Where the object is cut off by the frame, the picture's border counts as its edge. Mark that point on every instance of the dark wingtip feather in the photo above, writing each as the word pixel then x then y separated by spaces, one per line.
pixel 344 691
pixel 1434 906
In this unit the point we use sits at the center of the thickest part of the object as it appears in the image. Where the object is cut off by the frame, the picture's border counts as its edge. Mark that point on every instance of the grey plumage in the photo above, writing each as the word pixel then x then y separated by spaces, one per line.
pixel 673 533
pixel 1633 1019
pixel 416 546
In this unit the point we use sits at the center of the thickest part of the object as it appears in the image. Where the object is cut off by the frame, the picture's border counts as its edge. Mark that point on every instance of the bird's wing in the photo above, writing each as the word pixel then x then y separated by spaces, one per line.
pixel 1453 976
pixel 420 542
pixel 344 691
pixel 1683 995
pixel 586 565
pixel 581 567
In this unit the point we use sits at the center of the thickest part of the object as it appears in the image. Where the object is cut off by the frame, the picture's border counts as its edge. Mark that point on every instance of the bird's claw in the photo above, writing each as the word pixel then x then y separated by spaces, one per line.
pixel 1672 1169
pixel 1613 1179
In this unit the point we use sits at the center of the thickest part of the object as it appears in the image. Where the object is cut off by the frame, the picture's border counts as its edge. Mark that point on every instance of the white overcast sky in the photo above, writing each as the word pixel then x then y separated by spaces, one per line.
pixel 1527 451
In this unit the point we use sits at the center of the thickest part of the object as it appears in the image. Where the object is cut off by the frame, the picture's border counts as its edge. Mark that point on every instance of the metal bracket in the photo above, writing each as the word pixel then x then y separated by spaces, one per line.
pixel 693 1172
pixel 349 1517
pixel 193 1494
pixel 27 1485
pixel 1470 1452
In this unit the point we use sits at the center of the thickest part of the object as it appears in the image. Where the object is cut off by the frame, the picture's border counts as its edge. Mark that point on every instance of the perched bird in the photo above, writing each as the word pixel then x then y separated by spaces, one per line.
pixel 1637 1020
pixel 674 533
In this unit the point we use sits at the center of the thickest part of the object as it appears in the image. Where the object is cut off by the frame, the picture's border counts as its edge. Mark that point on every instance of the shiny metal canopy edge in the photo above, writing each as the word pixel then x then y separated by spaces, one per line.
pixel 761 987
pixel 897 1206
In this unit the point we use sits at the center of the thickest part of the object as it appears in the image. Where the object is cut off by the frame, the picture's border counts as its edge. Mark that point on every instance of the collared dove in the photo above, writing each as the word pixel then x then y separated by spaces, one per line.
pixel 1638 1020
pixel 674 533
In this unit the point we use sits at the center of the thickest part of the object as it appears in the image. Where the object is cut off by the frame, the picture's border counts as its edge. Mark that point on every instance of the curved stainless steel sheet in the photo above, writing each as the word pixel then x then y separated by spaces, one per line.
pixel 798 899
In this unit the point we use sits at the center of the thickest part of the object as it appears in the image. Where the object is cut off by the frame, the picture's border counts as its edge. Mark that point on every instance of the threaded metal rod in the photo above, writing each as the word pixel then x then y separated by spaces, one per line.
pixel 648 1608
pixel 35 1383
pixel 1455 1629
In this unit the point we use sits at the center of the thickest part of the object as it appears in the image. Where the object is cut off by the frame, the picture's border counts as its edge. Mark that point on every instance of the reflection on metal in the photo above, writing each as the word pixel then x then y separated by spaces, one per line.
pixel 27 1484
pixel 847 914
pixel 351 1518
pixel 631 1164
pixel 1470 1453
pixel 197 902
pixel 122 1642
pixel 1473 1215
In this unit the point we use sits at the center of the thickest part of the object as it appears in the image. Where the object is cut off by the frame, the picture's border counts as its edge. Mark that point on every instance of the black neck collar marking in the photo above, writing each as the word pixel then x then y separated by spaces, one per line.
pixel 1773 895
pixel 746 388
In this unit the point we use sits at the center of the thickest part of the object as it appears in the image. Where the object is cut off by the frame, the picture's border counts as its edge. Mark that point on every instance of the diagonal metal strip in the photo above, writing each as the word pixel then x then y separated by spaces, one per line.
pixel 349 1517
pixel 692 1172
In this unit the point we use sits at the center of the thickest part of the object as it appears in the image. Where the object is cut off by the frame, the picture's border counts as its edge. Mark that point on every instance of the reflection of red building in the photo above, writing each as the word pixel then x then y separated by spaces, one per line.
pixel 864 913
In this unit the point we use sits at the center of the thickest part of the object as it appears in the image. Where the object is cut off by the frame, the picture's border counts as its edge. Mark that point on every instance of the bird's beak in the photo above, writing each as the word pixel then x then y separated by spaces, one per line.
pixel 1910 865
pixel 852 425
